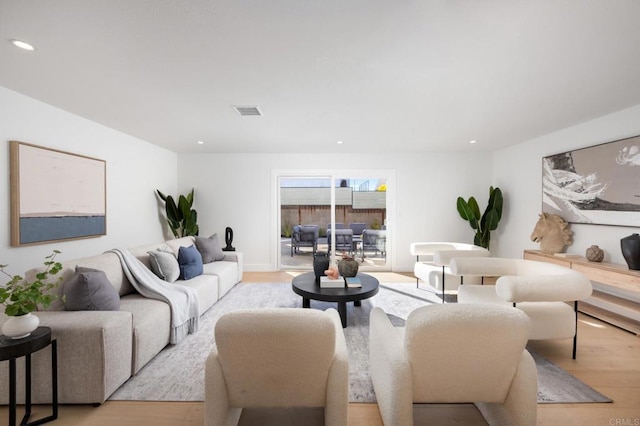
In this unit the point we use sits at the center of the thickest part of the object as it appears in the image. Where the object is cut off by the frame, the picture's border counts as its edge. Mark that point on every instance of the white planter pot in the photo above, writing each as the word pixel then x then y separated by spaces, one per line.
pixel 20 326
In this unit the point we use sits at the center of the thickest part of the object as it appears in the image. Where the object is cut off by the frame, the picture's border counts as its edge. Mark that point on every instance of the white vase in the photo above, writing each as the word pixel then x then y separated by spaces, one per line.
pixel 20 326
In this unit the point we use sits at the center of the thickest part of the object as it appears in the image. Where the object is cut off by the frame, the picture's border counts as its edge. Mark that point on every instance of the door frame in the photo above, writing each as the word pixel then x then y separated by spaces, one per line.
pixel 388 174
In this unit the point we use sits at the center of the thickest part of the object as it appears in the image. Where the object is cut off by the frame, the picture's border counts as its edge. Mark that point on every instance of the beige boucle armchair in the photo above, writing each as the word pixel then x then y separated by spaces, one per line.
pixel 542 290
pixel 432 264
pixel 454 354
pixel 276 358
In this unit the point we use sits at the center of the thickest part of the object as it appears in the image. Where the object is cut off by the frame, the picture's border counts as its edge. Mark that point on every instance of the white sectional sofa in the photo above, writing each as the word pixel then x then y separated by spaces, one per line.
pixel 99 350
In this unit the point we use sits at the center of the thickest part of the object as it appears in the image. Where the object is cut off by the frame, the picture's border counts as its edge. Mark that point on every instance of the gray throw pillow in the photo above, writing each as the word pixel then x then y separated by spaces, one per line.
pixel 209 248
pixel 90 290
pixel 164 265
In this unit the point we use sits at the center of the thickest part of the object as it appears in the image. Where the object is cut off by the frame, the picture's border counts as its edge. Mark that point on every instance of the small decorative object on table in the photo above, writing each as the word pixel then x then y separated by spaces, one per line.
pixel 631 251
pixel 328 282
pixel 228 239
pixel 348 266
pixel 332 273
pixel 21 297
pixel 353 282
pixel 594 254
pixel 320 263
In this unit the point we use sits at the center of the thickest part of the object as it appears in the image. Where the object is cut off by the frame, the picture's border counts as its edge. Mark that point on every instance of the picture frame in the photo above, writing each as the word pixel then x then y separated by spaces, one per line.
pixel 55 195
pixel 597 185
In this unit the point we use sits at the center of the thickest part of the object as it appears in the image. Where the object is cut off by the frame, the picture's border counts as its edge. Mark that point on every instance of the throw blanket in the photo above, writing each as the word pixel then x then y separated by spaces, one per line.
pixel 182 300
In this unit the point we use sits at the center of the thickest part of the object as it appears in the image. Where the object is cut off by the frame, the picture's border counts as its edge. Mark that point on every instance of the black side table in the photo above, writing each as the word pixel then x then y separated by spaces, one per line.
pixel 11 349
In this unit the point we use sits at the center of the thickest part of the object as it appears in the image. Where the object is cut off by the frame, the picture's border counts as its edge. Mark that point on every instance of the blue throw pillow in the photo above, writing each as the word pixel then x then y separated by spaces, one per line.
pixel 190 261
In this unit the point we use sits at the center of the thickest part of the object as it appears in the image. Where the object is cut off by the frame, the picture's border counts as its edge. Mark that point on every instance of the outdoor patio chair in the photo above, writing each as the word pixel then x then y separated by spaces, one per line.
pixel 375 240
pixel 357 228
pixel 344 240
pixel 304 236
pixel 338 226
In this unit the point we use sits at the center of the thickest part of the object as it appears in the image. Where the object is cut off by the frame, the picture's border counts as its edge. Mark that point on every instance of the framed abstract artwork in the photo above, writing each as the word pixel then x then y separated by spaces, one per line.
pixel 55 195
pixel 598 185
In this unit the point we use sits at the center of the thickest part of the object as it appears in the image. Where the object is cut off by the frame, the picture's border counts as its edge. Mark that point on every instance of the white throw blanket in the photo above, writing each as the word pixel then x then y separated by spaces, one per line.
pixel 182 300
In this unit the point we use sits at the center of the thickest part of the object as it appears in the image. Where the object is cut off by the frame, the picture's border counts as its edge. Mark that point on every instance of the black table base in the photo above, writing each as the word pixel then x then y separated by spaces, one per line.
pixel 11 349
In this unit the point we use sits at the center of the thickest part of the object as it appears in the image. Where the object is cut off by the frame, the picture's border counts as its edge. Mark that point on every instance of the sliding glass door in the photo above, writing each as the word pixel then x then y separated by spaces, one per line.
pixel 313 209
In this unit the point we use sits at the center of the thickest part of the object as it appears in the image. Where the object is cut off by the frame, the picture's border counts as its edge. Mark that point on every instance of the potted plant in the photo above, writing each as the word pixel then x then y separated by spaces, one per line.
pixel 181 217
pixel 21 297
pixel 483 225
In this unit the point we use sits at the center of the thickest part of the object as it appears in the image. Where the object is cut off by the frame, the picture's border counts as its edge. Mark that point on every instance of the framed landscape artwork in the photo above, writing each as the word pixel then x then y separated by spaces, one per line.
pixel 597 185
pixel 55 195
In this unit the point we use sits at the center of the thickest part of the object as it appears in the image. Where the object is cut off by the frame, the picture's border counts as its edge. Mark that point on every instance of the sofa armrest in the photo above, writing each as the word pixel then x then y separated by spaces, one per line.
pixel 94 357
pixel 235 256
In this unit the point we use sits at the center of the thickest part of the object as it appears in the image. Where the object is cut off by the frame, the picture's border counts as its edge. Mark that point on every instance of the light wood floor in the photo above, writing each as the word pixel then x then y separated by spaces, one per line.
pixel 608 360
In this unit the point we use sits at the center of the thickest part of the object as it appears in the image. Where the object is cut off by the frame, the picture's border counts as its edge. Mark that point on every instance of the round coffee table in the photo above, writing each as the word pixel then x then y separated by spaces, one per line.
pixel 306 286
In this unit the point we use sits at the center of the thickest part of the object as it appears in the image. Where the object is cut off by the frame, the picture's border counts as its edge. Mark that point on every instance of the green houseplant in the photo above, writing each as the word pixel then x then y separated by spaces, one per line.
pixel 483 225
pixel 181 217
pixel 20 297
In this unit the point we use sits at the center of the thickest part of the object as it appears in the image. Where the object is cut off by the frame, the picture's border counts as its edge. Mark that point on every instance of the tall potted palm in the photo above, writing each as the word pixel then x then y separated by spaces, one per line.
pixel 181 217
pixel 482 225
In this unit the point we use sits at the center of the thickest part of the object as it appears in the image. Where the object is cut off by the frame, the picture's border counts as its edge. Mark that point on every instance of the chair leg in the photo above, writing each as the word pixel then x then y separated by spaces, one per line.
pixel 443 284
pixel 575 336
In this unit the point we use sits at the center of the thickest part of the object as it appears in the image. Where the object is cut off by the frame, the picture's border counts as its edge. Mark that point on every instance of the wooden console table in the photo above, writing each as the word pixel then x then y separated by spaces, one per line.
pixel 616 289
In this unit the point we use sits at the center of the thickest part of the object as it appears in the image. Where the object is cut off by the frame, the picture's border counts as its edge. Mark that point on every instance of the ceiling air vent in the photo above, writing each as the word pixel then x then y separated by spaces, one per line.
pixel 247 110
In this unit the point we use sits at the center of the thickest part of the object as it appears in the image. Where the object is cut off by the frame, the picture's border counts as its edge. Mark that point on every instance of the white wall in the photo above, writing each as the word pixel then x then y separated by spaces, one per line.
pixel 134 170
pixel 518 171
pixel 236 190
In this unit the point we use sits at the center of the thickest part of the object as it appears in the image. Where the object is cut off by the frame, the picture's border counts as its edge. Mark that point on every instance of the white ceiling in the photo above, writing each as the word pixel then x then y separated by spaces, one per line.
pixel 380 75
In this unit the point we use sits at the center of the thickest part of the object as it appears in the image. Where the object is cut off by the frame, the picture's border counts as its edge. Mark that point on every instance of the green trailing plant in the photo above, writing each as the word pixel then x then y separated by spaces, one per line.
pixel 21 297
pixel 181 217
pixel 482 225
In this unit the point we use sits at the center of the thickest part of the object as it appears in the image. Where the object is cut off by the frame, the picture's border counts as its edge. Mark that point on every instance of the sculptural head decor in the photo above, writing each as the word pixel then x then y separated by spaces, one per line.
pixel 552 232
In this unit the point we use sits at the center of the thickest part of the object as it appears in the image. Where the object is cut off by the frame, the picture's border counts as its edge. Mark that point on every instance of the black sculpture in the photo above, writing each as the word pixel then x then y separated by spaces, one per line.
pixel 228 238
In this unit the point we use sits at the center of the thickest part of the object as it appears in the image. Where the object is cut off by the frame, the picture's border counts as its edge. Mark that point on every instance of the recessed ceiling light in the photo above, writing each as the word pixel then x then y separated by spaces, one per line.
pixel 200 143
pixel 473 141
pixel 339 142
pixel 22 44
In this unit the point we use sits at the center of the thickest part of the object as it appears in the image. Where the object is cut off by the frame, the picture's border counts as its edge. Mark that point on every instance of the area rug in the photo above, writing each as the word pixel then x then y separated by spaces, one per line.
pixel 177 373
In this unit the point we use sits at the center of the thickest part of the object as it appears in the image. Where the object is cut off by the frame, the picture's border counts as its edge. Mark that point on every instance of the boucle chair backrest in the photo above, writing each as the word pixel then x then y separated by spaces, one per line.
pixel 276 357
pixel 429 251
pixel 464 353
pixel 523 280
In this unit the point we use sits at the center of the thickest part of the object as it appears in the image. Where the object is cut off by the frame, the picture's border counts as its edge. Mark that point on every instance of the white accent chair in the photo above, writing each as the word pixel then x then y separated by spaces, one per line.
pixel 540 289
pixel 276 358
pixel 454 354
pixel 432 264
